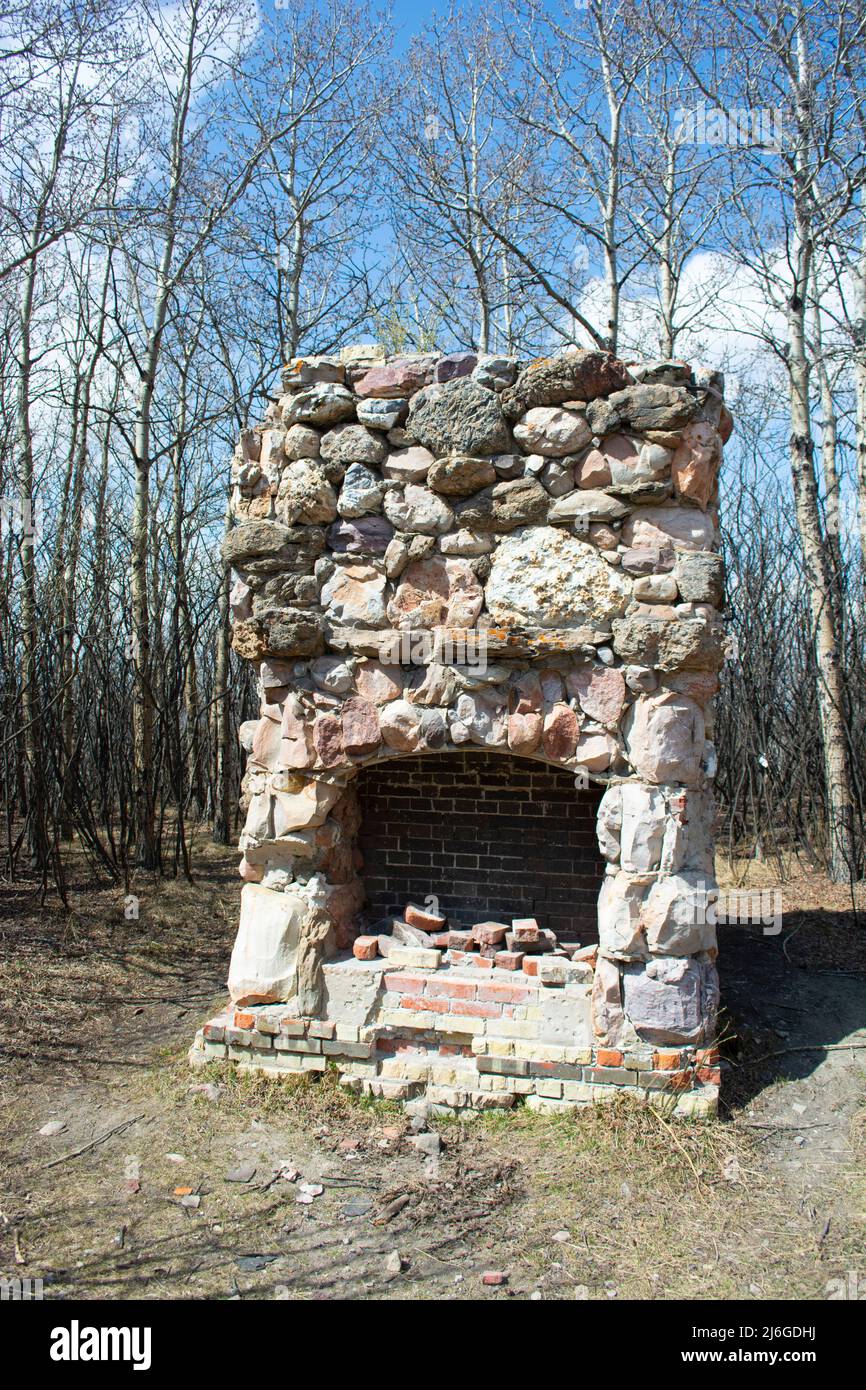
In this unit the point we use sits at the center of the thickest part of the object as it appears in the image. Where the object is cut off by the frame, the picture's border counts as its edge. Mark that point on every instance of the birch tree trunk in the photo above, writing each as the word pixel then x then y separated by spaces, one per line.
pixel 816 558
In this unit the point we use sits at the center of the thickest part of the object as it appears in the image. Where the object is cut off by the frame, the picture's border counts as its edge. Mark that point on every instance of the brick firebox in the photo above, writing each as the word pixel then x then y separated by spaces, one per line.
pixel 489 835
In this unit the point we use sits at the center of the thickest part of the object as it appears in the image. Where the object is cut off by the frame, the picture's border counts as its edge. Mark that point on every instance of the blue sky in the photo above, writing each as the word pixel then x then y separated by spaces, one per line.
pixel 411 15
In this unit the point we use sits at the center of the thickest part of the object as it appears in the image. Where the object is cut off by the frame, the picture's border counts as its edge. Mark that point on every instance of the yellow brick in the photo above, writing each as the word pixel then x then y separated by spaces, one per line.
pixel 416 1071
pixel 393 1068
pixel 539 1052
pixel 500 1047
pixel 358 1066
pixel 488 1082
pixel 408 1018
pixel 510 1028
pixel 456 1023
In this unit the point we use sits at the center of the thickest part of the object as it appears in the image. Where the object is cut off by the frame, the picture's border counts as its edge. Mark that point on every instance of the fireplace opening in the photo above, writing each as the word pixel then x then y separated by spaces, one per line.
pixel 489 835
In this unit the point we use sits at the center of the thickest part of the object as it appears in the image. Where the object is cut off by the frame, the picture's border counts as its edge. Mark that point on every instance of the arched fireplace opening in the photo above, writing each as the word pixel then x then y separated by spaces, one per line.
pixel 490 836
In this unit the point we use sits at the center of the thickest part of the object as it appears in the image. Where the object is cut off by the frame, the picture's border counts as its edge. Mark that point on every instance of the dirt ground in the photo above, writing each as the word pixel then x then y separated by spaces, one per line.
pixel 97 1013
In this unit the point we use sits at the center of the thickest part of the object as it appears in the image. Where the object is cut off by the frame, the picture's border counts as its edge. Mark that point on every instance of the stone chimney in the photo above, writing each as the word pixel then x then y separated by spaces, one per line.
pixel 443 559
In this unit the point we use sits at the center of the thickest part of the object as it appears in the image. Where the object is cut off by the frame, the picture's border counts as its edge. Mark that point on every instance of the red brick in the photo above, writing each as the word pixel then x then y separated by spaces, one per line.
pixel 460 941
pixel 441 940
pixel 509 960
pixel 365 948
pixel 485 962
pixel 525 929
pixel 473 1010
pixel 460 957
pixel 399 982
pixel 424 920
pixel 707 1057
pixel 710 1076
pixel 493 1277
pixel 504 993
pixel 681 1080
pixel 530 965
pixel 414 1001
pixel 243 1019
pixel 608 1057
pixel 489 933
pixel 451 989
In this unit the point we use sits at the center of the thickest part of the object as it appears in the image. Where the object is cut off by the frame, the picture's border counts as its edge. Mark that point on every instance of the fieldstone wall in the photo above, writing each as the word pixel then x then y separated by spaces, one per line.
pixel 438 553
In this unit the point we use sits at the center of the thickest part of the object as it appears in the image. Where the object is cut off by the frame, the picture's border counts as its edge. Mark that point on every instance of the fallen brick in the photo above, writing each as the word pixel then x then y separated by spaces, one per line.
pixel 489 933
pixel 422 918
pixel 509 960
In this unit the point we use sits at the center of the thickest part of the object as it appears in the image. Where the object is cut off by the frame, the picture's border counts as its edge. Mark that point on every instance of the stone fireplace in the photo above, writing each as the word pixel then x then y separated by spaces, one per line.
pixel 482 599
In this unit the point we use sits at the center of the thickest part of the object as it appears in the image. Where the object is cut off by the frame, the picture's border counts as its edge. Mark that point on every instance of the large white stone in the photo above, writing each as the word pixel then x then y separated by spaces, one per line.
pixel 546 578
pixel 550 430
pixel 262 969
pixel 418 509
pixel 631 826
pixel 361 493
pixel 302 809
pixel 305 495
pixel 662 527
pixel 679 915
pixel 665 739
pixel 620 935
pixel 400 723
pixel 355 596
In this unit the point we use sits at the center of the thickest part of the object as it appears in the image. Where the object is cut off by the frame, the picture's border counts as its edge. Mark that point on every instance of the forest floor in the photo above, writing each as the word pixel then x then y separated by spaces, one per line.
pixel 97 1014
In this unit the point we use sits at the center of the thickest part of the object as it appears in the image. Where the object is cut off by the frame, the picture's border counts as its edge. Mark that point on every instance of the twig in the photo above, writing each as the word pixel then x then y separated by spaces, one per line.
pixel 813 1047
pixel 757 1124
pixel 100 1139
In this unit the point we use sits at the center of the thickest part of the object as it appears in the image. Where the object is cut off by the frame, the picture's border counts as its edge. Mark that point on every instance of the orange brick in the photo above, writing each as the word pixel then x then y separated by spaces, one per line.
pixel 243 1019
pixel 608 1057
pixel 667 1061
pixel 365 948
pixel 530 965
